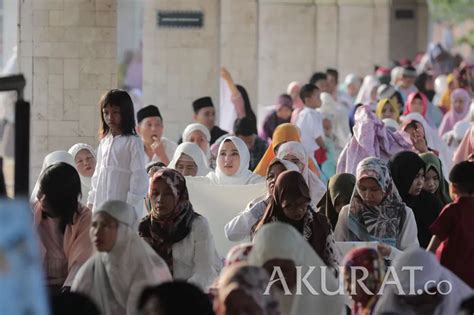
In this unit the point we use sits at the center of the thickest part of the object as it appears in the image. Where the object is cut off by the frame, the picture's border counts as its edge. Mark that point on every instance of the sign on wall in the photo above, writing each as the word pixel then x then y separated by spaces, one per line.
pixel 180 19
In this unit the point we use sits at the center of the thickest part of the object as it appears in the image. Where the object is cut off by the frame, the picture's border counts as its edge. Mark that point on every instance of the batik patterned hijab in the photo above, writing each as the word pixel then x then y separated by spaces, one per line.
pixel 165 231
pixel 383 222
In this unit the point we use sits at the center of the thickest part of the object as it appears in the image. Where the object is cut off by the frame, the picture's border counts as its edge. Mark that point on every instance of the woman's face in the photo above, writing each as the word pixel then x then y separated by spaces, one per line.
pixel 431 181
pixel 186 167
pixel 288 269
pixel 162 198
pixel 417 184
pixel 458 105
pixel 417 105
pixel 388 112
pixel 296 161
pixel 295 210
pixel 198 138
pixel 283 112
pixel 370 192
pixel 103 232
pixel 229 158
pixel 275 170
pixel 238 302
pixel 85 163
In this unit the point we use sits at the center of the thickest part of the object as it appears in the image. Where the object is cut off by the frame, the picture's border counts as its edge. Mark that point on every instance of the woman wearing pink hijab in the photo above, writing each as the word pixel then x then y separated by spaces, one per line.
pixel 416 102
pixel 465 150
pixel 460 101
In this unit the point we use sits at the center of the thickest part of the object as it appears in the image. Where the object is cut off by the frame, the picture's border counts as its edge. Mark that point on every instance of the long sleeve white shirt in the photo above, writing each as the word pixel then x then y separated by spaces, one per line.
pixel 310 123
pixel 120 172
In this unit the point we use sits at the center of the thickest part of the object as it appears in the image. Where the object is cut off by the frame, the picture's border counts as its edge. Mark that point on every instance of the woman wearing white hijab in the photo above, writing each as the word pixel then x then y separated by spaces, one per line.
pixel 368 91
pixel 123 265
pixel 294 152
pixel 433 141
pixel 339 117
pixel 200 135
pixel 281 245
pixel 50 159
pixel 85 160
pixel 233 164
pixel 432 277
pixel 190 154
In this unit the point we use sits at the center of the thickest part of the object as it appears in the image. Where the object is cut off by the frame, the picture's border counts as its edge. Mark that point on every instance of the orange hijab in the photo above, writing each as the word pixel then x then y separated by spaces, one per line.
pixel 283 133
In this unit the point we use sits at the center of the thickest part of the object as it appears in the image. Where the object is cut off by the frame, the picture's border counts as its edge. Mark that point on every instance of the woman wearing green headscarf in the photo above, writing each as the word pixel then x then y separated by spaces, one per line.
pixel 339 193
pixel 435 182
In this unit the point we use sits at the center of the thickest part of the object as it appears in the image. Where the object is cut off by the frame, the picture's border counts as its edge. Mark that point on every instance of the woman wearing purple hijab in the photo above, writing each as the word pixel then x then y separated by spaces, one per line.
pixel 460 101
pixel 280 115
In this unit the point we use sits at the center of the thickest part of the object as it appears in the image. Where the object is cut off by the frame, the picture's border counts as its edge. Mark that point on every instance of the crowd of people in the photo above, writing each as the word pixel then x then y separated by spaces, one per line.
pixel 373 174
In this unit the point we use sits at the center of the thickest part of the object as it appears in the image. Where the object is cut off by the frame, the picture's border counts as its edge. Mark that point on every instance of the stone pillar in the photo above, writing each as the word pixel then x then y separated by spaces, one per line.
pixel 180 64
pixel 327 33
pixel 422 18
pixel 68 55
pixel 286 47
pixel 381 51
pixel 357 30
pixel 238 43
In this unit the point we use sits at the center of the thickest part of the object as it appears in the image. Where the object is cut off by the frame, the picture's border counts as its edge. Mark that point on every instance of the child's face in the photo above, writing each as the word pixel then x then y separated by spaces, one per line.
pixel 314 101
pixel 417 105
pixel 113 118
pixel 458 105
pixel 150 128
pixel 85 163
pixel 388 112
pixel 103 232
pixel 206 116
pixel 327 126
pixel 431 181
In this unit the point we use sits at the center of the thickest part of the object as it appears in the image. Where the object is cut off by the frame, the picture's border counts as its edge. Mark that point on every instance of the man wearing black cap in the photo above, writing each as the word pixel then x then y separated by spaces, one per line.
pixel 150 128
pixel 205 114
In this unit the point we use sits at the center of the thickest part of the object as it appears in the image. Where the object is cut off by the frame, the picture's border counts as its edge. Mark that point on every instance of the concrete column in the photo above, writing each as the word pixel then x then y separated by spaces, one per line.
pixel 68 55
pixel 180 64
pixel 327 33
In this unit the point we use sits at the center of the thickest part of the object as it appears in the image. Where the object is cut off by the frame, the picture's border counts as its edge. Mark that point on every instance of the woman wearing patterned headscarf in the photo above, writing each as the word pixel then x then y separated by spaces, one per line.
pixel 376 211
pixel 177 233
pixel 291 203
pixel 242 291
pixel 371 261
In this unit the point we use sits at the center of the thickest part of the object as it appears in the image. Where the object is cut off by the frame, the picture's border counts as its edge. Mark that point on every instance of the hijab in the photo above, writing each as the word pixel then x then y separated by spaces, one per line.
pixel 433 140
pixel 115 279
pixel 253 280
pixel 369 259
pixel 238 253
pixel 381 104
pixel 339 186
pixel 50 159
pixel 163 232
pixel 466 147
pixel 371 139
pixel 452 116
pixel 365 93
pixel 243 176
pixel 207 134
pixel 431 271
pixel 433 162
pixel 409 102
pixel 282 241
pixel 381 223
pixel 74 150
pixel 195 153
pixel 404 168
pixel 316 186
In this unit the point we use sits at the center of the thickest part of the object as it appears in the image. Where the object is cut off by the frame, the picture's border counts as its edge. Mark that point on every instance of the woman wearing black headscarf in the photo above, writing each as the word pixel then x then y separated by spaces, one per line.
pixel 408 171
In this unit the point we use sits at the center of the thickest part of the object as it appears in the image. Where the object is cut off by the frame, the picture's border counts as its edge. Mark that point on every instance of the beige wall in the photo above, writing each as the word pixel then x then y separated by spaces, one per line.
pixel 67 53
pixel 180 65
